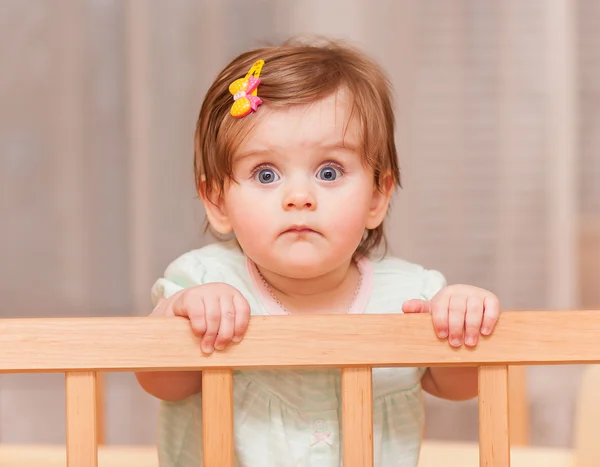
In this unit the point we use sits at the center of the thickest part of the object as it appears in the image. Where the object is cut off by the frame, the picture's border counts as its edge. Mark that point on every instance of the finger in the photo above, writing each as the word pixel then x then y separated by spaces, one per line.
pixel 456 319
pixel 213 321
pixel 416 306
pixel 491 313
pixel 242 317
pixel 164 307
pixel 473 320
pixel 439 315
pixel 178 306
pixel 225 332
pixel 197 316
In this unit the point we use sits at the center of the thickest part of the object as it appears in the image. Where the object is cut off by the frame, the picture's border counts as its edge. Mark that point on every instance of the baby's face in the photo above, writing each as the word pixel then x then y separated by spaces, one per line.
pixel 303 195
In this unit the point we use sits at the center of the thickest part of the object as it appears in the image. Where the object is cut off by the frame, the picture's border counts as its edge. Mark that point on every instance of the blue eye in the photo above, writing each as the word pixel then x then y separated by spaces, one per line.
pixel 266 176
pixel 329 173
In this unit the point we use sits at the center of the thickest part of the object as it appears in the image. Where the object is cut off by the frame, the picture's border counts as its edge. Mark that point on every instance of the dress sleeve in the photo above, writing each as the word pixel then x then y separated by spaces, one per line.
pixel 433 282
pixel 186 271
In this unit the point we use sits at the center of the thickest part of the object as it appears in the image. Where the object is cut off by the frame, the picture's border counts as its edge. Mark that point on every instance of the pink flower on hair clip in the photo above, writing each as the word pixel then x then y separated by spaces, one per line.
pixel 244 92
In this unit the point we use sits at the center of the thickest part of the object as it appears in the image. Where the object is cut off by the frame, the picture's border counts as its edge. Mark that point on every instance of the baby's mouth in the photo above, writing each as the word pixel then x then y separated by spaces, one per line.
pixel 300 230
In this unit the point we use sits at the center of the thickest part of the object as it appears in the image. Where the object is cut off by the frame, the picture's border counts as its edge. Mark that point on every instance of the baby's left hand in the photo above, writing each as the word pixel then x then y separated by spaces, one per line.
pixel 460 313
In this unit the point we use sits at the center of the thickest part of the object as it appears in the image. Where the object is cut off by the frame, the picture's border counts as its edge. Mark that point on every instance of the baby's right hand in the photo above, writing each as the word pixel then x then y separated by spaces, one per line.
pixel 218 313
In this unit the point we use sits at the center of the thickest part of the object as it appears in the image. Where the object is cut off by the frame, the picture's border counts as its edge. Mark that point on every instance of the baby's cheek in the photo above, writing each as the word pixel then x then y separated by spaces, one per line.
pixel 249 221
pixel 254 219
pixel 244 207
pixel 349 221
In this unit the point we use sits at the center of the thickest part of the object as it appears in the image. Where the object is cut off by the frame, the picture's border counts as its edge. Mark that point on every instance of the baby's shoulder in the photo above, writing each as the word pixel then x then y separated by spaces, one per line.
pixel 398 280
pixel 218 262
pixel 217 258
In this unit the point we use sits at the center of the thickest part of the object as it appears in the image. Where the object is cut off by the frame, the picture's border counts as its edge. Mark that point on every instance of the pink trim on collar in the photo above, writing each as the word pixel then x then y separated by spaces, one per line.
pixel 360 303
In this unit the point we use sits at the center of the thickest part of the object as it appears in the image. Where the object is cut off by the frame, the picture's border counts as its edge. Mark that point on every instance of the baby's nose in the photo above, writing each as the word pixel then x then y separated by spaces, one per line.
pixel 300 199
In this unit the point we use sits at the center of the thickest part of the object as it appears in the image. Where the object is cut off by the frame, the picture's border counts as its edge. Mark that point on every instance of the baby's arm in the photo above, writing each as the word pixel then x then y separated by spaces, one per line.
pixel 460 313
pixel 169 385
pixel 456 384
pixel 218 314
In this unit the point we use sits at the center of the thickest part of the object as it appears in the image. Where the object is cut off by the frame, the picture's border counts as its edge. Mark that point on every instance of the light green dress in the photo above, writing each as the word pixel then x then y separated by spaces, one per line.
pixel 291 418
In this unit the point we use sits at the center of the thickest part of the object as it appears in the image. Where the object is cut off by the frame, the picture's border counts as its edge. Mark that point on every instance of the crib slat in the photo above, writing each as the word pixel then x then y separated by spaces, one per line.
pixel 518 411
pixel 494 441
pixel 217 418
pixel 82 442
pixel 100 407
pixel 357 417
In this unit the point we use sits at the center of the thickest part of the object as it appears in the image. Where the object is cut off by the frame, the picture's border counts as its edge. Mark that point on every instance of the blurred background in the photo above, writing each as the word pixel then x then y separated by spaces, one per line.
pixel 498 109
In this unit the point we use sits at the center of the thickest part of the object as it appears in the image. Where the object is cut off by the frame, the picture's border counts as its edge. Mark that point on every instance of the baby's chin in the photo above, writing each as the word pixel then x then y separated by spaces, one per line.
pixel 302 271
pixel 301 267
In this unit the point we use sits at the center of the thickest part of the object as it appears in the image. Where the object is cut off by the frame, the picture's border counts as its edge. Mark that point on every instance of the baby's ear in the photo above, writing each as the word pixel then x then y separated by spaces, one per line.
pixel 380 201
pixel 214 205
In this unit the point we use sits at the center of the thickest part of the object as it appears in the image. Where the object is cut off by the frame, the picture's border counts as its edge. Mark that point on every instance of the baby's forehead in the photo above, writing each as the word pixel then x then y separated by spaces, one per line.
pixel 329 122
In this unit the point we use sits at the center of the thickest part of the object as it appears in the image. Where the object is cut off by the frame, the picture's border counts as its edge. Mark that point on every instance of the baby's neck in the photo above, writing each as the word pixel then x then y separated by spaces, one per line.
pixel 333 292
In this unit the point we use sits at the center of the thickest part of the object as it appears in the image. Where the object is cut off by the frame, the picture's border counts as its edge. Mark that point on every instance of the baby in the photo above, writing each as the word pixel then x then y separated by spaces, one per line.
pixel 295 156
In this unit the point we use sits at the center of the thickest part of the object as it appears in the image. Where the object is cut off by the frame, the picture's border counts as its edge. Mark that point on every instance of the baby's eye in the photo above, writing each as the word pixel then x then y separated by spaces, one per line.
pixel 329 173
pixel 266 176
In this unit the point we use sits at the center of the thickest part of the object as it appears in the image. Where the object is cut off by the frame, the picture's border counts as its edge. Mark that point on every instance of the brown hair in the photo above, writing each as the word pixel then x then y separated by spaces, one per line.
pixel 295 73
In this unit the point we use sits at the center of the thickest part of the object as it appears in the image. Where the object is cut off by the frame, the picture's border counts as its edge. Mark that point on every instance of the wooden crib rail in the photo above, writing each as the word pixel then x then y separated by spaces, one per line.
pixel 80 347
pixel 127 344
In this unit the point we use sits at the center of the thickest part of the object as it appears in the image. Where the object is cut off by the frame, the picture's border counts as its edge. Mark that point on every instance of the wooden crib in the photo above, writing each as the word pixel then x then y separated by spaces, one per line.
pixel 82 347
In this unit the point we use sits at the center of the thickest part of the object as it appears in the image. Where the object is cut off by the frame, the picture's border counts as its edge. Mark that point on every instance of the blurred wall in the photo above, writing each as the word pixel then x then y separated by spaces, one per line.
pixel 497 106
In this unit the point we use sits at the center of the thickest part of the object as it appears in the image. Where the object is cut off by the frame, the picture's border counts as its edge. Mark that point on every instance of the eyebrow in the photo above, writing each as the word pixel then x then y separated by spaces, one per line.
pixel 252 153
pixel 338 145
pixel 341 145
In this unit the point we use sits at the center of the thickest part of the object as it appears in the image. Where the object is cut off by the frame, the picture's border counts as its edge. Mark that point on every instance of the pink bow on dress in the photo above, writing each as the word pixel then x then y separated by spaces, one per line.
pixel 324 436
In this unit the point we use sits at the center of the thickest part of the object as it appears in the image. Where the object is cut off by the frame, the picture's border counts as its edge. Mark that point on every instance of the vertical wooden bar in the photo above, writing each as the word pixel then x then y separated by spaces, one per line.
pixel 100 408
pixel 357 417
pixel 587 416
pixel 494 440
pixel 82 444
pixel 217 418
pixel 518 406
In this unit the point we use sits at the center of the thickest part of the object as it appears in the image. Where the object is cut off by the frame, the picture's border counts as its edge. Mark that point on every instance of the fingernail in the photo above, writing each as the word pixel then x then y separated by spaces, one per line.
pixel 485 330
pixel 470 340
pixel 208 350
pixel 443 334
pixel 219 347
pixel 455 342
pixel 236 339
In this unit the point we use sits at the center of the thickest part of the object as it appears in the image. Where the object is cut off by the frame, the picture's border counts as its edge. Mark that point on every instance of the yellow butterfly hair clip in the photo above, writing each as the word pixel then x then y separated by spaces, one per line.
pixel 244 92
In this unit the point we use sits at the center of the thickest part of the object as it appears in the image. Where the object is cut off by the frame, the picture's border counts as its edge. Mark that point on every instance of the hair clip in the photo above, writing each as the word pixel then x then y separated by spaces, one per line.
pixel 244 91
